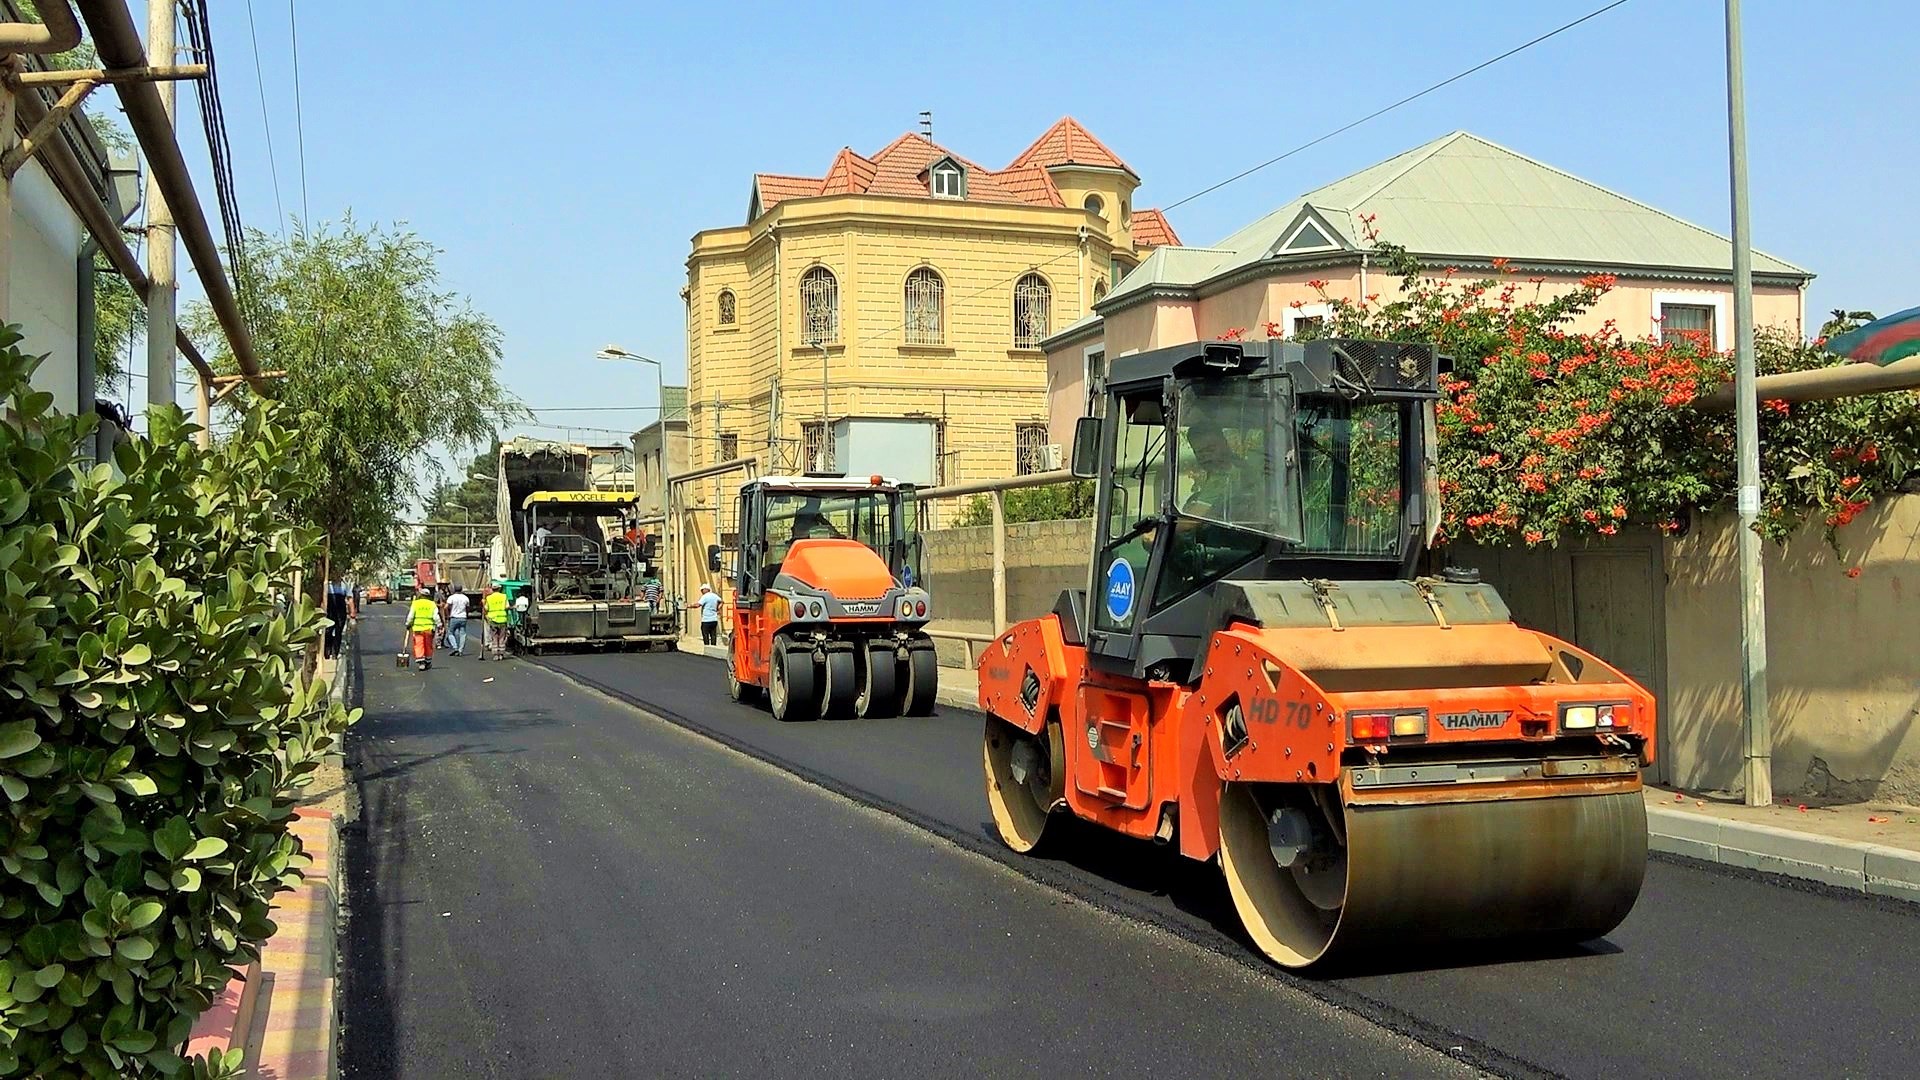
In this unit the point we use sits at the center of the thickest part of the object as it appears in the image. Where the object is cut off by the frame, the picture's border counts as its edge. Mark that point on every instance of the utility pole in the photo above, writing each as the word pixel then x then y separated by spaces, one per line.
pixel 1753 604
pixel 160 234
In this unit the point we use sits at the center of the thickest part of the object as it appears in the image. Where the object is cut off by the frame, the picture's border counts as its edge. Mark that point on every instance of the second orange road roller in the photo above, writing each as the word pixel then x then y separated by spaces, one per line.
pixel 829 616
pixel 1263 671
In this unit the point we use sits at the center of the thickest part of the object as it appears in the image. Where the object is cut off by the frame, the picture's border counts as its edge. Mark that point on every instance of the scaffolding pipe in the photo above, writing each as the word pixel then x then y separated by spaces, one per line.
pixel 57 31
pixel 119 45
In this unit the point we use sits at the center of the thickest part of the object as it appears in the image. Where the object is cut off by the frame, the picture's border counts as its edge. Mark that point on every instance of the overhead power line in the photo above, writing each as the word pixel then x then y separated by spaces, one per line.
pixel 260 83
pixel 213 121
pixel 1483 65
pixel 299 116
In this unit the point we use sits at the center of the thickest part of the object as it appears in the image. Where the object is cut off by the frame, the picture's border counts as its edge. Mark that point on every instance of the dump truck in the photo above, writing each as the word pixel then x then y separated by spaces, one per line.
pixel 565 538
pixel 829 618
pixel 1270 668
pixel 465 567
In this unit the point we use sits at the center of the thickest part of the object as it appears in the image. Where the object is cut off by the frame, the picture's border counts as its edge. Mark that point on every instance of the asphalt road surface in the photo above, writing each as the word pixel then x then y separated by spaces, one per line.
pixel 544 882
pixel 830 898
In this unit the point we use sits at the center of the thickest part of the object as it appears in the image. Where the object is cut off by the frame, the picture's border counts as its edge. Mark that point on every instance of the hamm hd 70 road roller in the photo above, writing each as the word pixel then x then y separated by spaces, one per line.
pixel 829 618
pixel 1259 672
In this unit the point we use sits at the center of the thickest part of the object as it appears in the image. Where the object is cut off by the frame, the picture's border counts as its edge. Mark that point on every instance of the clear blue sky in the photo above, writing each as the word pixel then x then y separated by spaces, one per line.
pixel 562 155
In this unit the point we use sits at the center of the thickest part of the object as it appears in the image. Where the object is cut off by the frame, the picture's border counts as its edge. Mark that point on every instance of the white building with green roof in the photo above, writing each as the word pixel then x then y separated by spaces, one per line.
pixel 1459 201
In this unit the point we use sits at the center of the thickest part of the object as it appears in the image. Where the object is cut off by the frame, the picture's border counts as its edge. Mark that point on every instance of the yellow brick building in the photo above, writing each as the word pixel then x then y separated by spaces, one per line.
pixel 924 283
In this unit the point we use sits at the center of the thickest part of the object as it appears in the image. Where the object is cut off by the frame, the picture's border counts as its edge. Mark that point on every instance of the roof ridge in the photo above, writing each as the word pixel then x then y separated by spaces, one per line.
pixel 1417 156
pixel 1557 171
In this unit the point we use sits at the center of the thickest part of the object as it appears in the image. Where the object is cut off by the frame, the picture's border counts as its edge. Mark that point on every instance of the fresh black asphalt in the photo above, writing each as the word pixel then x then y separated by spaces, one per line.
pixel 1716 973
pixel 544 882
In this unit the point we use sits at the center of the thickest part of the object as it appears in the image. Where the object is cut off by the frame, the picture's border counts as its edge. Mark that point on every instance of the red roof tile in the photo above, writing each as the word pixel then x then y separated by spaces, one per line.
pixel 775 188
pixel 1032 185
pixel 849 174
pixel 1068 143
pixel 1151 230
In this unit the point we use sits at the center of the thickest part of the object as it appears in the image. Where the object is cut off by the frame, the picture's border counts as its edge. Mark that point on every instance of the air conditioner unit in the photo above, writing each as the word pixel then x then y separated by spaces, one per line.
pixel 1054 460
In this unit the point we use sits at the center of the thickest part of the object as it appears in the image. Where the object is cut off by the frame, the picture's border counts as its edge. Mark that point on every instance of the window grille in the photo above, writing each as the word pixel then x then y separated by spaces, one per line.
pixel 812 446
pixel 727 305
pixel 925 303
pixel 819 306
pixel 1032 311
pixel 729 446
pixel 1029 449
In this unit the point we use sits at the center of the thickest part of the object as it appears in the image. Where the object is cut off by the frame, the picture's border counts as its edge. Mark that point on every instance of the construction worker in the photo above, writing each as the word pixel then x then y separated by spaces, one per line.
pixel 709 615
pixel 494 606
pixel 423 620
pixel 456 607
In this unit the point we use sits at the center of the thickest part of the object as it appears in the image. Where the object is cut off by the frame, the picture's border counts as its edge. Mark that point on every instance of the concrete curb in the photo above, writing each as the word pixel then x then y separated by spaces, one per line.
pixel 1865 868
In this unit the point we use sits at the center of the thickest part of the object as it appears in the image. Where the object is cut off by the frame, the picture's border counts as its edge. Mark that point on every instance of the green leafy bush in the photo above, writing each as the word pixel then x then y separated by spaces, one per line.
pixel 1054 502
pixel 154 724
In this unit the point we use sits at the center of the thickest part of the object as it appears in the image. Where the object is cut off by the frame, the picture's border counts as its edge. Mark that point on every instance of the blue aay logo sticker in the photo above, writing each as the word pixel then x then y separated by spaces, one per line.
pixel 1120 590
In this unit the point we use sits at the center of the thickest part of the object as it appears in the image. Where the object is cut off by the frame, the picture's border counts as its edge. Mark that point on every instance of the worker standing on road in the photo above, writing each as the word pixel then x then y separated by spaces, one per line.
pixel 709 615
pixel 494 606
pixel 423 618
pixel 457 605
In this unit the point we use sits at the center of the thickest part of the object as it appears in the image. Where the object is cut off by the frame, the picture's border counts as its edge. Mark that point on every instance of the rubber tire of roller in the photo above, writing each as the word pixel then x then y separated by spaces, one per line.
pixel 743 692
pixel 879 684
pixel 792 683
pixel 839 684
pixel 923 682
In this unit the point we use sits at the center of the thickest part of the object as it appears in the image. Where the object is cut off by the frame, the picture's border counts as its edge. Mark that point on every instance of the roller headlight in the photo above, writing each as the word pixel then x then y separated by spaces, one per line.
pixel 1608 716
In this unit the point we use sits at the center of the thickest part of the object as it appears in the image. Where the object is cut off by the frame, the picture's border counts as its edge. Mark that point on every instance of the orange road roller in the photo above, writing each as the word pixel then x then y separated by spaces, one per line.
pixel 829 617
pixel 1263 671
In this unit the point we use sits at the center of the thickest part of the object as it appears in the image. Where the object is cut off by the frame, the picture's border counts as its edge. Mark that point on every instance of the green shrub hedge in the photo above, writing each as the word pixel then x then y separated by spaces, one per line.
pixel 155 723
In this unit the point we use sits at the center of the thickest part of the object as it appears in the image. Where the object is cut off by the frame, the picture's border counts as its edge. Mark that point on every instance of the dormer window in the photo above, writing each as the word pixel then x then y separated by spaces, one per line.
pixel 947 180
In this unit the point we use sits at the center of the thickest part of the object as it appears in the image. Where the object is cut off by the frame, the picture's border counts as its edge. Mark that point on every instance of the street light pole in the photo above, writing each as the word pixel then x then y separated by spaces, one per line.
pixel 1753 606
pixel 614 352
pixel 826 415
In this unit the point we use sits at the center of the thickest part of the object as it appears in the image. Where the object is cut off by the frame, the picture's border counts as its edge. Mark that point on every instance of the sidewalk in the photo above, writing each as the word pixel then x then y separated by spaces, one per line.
pixel 1866 847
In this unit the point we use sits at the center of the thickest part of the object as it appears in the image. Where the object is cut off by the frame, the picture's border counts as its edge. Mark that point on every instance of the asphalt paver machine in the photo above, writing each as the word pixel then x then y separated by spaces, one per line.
pixel 829 616
pixel 1265 670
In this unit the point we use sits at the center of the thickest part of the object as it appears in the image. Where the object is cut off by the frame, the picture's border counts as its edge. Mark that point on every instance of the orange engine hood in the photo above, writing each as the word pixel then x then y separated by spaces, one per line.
pixel 843 569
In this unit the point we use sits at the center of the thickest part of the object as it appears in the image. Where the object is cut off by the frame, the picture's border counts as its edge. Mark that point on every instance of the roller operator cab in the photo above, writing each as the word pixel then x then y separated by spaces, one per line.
pixel 1261 671
pixel 829 615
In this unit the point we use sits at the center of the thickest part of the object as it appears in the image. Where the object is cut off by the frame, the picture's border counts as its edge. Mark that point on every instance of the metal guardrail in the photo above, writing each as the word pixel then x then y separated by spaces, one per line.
pixel 996 490
pixel 967 639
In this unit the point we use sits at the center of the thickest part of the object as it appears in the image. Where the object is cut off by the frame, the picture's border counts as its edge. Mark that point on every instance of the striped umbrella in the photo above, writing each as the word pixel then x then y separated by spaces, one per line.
pixel 1881 341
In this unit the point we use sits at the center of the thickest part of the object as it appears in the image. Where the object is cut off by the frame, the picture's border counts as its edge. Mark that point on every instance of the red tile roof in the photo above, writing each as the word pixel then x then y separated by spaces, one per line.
pixel 1068 143
pixel 1151 230
pixel 849 174
pixel 900 168
pixel 775 188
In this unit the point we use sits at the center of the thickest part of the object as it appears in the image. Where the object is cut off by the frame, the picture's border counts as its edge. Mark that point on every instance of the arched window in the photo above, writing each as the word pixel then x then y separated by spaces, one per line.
pixel 1032 311
pixel 1095 204
pixel 819 306
pixel 925 302
pixel 727 307
pixel 1126 212
pixel 1099 291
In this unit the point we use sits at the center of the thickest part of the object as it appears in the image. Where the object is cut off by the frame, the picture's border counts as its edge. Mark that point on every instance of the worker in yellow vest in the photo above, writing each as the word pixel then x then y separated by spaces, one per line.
pixel 423 618
pixel 494 607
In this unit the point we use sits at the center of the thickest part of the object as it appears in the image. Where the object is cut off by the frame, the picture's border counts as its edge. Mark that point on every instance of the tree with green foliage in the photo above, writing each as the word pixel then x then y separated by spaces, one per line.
pixel 382 365
pixel 155 726
pixel 467 499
